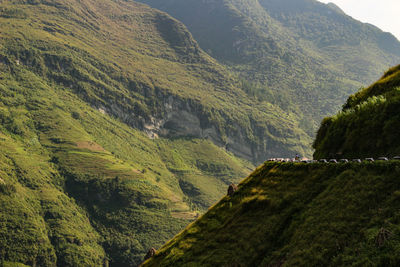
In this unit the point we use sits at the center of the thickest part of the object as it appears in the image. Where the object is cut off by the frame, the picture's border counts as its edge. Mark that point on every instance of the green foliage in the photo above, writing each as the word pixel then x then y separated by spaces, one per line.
pixel 73 189
pixel 297 214
pixel 367 126
pixel 76 78
pixel 383 86
pixel 7 189
pixel 70 187
pixel 112 67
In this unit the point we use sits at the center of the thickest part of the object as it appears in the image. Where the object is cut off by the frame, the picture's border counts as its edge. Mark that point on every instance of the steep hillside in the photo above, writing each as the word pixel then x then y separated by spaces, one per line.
pixel 368 124
pixel 296 214
pixel 83 85
pixel 144 68
pixel 301 55
pixel 78 187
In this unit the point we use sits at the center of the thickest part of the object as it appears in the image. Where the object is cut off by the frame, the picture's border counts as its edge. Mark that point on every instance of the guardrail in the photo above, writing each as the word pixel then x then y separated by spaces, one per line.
pixel 335 161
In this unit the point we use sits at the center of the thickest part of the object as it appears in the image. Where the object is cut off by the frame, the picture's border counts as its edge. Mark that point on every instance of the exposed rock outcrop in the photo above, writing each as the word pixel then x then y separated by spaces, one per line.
pixel 150 253
pixel 179 117
pixel 232 189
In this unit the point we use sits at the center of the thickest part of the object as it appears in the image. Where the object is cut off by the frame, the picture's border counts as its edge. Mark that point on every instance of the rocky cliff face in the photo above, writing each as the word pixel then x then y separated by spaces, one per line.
pixel 179 117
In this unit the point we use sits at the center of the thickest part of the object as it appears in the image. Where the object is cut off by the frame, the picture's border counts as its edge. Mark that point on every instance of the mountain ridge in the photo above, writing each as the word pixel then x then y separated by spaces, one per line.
pixel 117 129
pixel 366 125
pixel 147 101
pixel 311 56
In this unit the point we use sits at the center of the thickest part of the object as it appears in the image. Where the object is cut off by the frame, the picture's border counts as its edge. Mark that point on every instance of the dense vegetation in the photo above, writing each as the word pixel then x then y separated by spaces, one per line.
pixel 80 184
pixel 143 67
pixel 368 124
pixel 302 55
pixel 78 187
pixel 116 129
pixel 296 214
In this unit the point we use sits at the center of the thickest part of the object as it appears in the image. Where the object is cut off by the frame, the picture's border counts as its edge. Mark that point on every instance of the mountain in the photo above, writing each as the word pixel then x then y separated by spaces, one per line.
pixel 85 87
pixel 294 214
pixel 368 124
pixel 302 55
pixel 117 130
pixel 173 92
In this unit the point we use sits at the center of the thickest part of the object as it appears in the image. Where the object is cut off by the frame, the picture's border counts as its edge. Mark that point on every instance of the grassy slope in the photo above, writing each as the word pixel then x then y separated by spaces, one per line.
pixel 77 186
pixel 129 59
pixel 314 56
pixel 368 124
pixel 298 215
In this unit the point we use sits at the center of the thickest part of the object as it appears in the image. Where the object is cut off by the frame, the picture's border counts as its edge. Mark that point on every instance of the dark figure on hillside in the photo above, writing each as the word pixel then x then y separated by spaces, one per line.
pixel 232 189
pixel 150 253
pixel 297 157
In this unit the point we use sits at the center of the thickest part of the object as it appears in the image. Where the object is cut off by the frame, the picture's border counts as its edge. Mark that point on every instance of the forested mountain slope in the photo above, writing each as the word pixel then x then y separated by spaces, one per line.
pixel 368 125
pixel 296 214
pixel 302 55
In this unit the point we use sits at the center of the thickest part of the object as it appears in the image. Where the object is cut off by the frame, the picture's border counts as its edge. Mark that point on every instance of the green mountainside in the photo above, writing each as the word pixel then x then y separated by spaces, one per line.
pixel 117 129
pixel 301 55
pixel 81 182
pixel 295 214
pixel 368 124
pixel 78 186
pixel 144 68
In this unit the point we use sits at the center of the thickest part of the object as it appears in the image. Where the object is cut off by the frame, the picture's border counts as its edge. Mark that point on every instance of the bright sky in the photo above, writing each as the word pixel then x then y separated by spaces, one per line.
pixel 382 13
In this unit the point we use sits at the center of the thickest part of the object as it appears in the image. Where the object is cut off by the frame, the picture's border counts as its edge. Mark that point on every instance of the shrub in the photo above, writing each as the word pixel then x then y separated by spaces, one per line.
pixel 76 115
pixel 7 189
